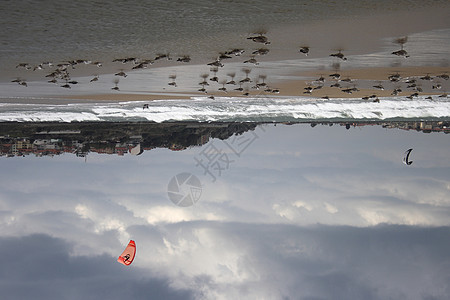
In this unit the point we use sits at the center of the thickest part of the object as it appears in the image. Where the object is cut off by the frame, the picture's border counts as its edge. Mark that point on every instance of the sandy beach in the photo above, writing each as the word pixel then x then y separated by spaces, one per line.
pixel 366 43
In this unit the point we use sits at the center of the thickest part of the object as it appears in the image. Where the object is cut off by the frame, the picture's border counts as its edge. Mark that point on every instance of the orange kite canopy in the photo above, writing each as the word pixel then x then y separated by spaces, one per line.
pixel 128 254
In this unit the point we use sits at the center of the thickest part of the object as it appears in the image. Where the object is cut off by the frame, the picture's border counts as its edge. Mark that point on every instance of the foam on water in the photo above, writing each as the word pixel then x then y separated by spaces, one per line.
pixel 202 109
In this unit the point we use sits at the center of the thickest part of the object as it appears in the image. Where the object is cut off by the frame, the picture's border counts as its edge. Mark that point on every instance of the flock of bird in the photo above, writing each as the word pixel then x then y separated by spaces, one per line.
pixel 60 73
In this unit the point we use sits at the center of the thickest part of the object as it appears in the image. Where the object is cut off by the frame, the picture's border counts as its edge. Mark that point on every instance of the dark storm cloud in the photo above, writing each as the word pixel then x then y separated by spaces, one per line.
pixel 40 267
pixel 322 262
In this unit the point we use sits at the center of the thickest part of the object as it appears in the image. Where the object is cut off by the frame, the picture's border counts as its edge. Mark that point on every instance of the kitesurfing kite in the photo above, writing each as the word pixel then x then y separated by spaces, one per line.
pixel 406 160
pixel 128 254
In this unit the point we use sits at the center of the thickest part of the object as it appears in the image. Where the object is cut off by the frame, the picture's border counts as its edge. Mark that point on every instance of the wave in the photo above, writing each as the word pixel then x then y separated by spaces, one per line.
pixel 228 109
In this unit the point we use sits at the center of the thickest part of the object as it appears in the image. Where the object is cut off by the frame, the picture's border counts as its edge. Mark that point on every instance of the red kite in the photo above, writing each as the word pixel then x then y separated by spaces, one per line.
pixel 128 254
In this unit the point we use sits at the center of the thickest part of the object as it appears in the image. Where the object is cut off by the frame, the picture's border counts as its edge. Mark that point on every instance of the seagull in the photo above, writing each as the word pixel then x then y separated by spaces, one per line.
pixel 259 39
pixel 335 76
pixel 216 63
pixel 24 65
pixel 337 85
pixel 339 54
pixel 223 56
pixel 304 50
pixel 38 67
pixel 426 77
pixel 235 52
pixel 396 92
pixel 379 86
pixel 261 51
pixel 394 77
pixel 401 52
pixel 184 59
pixel 160 56
pixel 252 61
pixel 121 73
pixel 140 66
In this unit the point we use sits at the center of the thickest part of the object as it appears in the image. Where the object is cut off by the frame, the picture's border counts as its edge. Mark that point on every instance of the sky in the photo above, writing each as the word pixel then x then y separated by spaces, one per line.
pixel 293 212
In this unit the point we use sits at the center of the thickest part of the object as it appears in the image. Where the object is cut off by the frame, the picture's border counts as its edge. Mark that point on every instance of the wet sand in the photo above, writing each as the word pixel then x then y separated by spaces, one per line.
pixel 364 79
pixel 362 35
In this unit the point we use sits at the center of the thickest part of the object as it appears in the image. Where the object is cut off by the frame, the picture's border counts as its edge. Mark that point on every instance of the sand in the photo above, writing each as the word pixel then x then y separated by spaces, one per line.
pixel 364 79
pixel 356 37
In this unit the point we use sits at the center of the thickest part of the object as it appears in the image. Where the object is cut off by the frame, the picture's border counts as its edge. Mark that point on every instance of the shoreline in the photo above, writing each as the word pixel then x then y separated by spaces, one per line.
pixel 364 78
pixel 284 69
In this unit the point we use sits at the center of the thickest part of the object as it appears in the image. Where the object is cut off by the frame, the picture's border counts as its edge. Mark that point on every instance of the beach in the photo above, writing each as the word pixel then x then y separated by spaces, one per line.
pixel 249 149
pixel 359 48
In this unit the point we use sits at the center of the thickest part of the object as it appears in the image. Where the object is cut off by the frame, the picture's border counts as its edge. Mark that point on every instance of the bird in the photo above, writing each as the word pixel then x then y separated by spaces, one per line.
pixel 235 52
pixel 261 51
pixel 121 73
pixel 184 59
pixel 426 77
pixel 141 65
pixel 379 86
pixel 94 79
pixel 160 56
pixel 396 91
pixel 252 61
pixel 335 76
pixel 337 85
pixel 38 67
pixel 304 50
pixel 259 39
pixel 339 54
pixel 401 52
pixel 394 77
pixel 24 65
pixel 215 63
pixel 223 56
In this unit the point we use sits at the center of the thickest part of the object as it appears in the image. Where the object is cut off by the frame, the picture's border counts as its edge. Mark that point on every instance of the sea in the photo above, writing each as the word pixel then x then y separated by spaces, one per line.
pixel 34 32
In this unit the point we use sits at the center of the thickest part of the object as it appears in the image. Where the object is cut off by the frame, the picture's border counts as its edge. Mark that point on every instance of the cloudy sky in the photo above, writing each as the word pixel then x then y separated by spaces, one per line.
pixel 286 212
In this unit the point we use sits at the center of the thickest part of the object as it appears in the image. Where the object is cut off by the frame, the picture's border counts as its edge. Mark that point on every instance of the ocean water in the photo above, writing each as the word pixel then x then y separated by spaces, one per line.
pixel 225 109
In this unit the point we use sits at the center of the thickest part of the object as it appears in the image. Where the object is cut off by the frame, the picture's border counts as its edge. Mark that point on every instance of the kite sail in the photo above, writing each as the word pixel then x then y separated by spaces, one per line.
pixel 128 254
pixel 406 160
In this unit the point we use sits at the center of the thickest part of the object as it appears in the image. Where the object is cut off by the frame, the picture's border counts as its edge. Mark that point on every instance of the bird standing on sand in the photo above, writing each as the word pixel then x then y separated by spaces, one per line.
pixel 379 86
pixel 121 73
pixel 259 39
pixel 251 61
pixel 339 54
pixel 335 76
pixel 184 59
pixel 24 65
pixel 304 50
pixel 215 63
pixel 235 52
pixel 261 51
